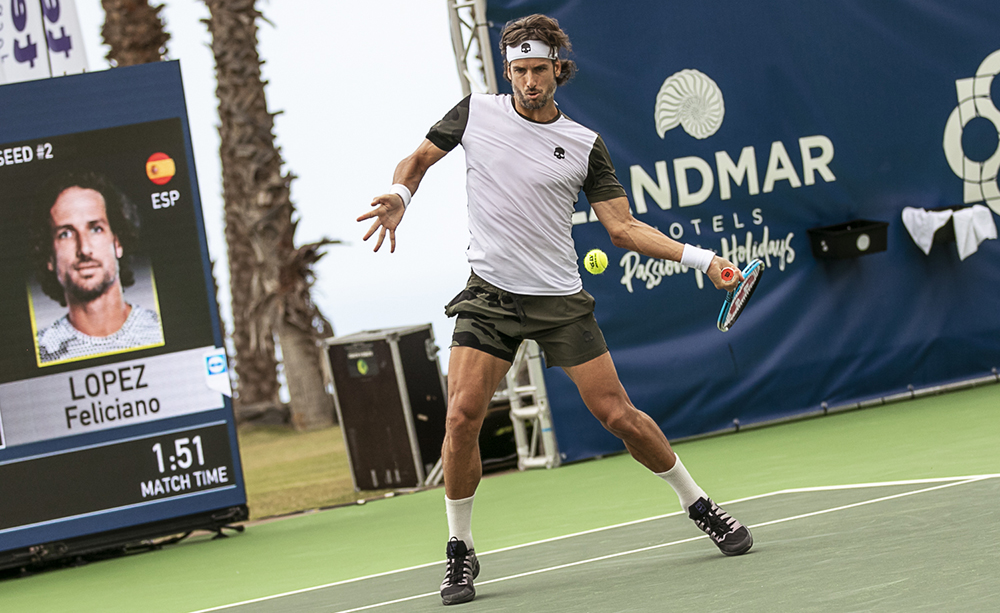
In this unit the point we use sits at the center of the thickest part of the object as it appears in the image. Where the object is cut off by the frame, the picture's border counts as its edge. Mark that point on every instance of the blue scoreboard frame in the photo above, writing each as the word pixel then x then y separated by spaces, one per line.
pixel 103 443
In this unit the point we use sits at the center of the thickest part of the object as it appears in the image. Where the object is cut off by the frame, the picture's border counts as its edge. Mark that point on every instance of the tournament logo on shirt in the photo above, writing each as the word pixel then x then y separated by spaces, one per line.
pixel 160 168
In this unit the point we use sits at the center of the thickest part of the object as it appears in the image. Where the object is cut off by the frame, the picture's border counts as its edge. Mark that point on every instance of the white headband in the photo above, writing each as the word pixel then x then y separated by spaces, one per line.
pixel 531 49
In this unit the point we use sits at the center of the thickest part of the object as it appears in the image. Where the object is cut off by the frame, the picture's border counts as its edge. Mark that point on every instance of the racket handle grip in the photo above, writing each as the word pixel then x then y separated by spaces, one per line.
pixel 728 274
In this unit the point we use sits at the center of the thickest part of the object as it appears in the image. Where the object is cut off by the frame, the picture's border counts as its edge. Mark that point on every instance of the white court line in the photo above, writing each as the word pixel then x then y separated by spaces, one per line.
pixel 532 572
pixel 948 482
pixel 662 545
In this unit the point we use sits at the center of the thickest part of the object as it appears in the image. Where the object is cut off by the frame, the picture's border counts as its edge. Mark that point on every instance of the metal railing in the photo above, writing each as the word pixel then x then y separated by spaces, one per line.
pixel 470 40
pixel 529 410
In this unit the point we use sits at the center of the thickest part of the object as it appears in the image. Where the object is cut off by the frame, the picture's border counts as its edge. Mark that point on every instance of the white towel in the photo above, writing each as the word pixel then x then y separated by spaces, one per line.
pixel 922 224
pixel 973 225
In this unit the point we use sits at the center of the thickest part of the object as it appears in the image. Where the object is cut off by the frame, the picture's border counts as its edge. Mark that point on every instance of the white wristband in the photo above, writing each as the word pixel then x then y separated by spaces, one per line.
pixel 403 192
pixel 695 257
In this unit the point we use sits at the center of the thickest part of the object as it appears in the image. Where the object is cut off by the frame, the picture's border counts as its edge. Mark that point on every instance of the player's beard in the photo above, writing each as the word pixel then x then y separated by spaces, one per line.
pixel 538 103
pixel 94 289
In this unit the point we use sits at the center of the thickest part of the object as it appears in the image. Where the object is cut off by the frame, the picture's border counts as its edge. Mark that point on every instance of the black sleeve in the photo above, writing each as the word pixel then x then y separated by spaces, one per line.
pixel 447 133
pixel 601 183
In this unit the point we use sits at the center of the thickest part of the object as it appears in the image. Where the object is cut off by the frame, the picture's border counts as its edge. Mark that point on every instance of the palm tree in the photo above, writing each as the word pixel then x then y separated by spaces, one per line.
pixel 270 278
pixel 134 30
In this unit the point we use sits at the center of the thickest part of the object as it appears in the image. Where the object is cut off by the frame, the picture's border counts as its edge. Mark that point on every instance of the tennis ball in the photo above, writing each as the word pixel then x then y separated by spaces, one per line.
pixel 595 261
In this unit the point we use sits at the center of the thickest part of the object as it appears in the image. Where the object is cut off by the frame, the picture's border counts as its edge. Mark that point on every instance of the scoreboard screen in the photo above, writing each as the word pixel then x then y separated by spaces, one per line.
pixel 115 408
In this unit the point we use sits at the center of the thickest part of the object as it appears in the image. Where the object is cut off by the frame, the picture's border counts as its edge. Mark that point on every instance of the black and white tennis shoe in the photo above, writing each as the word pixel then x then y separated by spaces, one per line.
pixel 731 536
pixel 463 567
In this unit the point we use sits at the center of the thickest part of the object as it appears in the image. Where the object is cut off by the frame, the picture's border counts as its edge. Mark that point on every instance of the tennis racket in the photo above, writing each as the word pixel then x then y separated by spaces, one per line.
pixel 737 299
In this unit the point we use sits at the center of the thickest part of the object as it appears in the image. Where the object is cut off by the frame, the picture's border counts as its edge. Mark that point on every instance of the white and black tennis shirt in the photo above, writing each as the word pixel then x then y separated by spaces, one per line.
pixel 523 179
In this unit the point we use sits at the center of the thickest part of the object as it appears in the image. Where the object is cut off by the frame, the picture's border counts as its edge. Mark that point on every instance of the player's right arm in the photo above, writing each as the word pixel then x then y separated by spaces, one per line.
pixel 627 232
pixel 608 199
pixel 388 208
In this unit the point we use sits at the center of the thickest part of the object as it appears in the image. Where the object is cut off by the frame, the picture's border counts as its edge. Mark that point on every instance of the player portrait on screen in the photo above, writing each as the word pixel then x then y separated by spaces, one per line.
pixel 84 234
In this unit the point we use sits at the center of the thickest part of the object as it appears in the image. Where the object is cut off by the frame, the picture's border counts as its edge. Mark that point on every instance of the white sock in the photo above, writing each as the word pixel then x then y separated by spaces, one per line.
pixel 460 519
pixel 687 490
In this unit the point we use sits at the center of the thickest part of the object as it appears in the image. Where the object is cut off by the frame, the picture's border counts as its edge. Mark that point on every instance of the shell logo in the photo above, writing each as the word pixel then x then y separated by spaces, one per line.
pixel 160 168
pixel 692 100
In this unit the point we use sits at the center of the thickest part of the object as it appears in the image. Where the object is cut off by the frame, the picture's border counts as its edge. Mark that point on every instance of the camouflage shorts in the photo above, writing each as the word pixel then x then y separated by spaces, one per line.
pixel 495 321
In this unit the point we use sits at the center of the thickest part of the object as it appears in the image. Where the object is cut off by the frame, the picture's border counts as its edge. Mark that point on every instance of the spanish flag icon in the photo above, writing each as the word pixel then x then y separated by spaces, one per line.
pixel 160 168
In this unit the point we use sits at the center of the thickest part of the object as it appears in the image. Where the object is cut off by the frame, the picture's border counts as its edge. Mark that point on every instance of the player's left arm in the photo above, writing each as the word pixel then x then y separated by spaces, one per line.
pixel 388 208
pixel 627 232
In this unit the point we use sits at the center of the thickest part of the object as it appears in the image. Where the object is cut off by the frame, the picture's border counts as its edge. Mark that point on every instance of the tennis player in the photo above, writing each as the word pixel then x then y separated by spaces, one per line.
pixel 526 165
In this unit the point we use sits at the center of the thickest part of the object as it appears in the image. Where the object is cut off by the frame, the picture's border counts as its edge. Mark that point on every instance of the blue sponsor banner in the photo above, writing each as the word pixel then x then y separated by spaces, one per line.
pixel 740 126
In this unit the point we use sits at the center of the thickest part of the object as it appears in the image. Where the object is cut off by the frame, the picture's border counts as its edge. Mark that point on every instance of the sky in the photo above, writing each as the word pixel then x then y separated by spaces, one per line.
pixel 358 85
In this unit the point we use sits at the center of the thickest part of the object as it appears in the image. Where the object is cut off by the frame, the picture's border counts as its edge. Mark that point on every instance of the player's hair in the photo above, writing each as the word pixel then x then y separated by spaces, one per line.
pixel 545 29
pixel 123 217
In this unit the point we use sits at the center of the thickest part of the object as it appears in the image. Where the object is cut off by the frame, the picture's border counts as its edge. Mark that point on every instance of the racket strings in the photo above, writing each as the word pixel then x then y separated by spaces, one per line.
pixel 741 298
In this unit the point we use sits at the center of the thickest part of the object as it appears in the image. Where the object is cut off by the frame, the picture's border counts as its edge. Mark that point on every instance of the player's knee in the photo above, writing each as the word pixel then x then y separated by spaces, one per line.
pixel 621 421
pixel 464 415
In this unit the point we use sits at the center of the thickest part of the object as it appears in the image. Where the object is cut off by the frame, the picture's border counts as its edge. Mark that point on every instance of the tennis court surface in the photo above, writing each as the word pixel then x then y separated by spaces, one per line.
pixel 891 509
pixel 901 546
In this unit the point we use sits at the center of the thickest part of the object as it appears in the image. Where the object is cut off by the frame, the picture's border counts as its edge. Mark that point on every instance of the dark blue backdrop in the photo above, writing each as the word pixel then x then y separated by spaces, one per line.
pixel 875 84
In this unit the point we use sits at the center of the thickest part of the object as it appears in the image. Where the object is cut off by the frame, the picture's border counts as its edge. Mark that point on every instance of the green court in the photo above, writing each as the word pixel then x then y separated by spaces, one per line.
pixel 891 508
